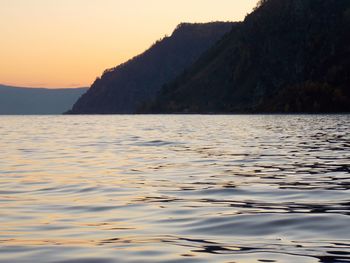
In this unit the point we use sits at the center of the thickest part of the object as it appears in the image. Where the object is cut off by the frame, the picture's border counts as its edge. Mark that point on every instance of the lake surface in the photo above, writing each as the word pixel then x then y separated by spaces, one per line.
pixel 104 189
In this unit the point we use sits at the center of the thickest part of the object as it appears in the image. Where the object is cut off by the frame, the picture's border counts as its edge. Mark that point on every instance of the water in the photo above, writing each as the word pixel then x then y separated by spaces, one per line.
pixel 101 189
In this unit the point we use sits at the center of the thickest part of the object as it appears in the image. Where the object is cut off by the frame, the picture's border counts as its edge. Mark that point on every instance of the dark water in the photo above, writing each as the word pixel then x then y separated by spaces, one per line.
pixel 175 189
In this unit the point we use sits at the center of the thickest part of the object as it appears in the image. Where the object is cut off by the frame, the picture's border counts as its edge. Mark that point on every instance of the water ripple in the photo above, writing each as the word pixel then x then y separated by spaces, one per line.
pixel 101 189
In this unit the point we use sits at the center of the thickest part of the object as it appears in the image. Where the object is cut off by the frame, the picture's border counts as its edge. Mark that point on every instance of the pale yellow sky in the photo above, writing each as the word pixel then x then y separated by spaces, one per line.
pixel 68 43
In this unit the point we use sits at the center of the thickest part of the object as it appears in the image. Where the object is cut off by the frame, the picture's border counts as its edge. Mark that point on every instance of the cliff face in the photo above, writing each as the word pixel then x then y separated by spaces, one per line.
pixel 287 56
pixel 124 88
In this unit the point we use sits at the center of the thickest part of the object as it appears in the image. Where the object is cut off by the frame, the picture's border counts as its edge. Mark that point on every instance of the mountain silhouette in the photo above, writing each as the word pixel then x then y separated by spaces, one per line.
pixel 128 86
pixel 287 56
pixel 15 100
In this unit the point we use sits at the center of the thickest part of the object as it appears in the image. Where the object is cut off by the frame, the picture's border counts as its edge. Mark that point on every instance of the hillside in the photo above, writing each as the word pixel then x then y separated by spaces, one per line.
pixel 287 56
pixel 14 100
pixel 124 88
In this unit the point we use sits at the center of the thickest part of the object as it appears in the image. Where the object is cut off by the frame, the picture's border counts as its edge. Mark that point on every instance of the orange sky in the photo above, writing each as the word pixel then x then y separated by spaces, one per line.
pixel 68 43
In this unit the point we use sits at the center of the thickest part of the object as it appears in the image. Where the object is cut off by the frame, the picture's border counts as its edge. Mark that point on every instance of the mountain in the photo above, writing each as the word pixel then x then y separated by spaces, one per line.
pixel 14 100
pixel 286 56
pixel 124 88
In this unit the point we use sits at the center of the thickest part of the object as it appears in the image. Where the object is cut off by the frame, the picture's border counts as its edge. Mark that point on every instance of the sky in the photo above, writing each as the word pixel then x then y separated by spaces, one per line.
pixel 68 43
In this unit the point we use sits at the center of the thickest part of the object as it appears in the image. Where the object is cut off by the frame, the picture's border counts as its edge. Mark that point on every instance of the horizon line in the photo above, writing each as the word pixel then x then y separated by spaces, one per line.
pixel 42 87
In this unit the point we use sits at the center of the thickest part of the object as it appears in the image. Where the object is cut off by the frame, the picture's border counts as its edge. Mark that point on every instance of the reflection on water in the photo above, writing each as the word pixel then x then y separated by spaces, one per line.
pixel 100 189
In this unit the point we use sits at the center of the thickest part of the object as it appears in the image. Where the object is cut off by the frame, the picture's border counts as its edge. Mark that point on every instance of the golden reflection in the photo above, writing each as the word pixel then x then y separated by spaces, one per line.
pixel 110 192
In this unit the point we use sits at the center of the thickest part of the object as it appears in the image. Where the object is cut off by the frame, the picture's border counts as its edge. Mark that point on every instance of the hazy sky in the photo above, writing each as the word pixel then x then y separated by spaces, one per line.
pixel 68 43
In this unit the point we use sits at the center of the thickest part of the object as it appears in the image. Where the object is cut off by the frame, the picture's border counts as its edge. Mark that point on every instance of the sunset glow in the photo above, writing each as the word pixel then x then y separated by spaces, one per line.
pixel 68 43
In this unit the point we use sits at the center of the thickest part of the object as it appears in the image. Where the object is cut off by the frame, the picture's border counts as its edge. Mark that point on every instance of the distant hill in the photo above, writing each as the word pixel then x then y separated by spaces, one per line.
pixel 124 88
pixel 14 100
pixel 287 56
